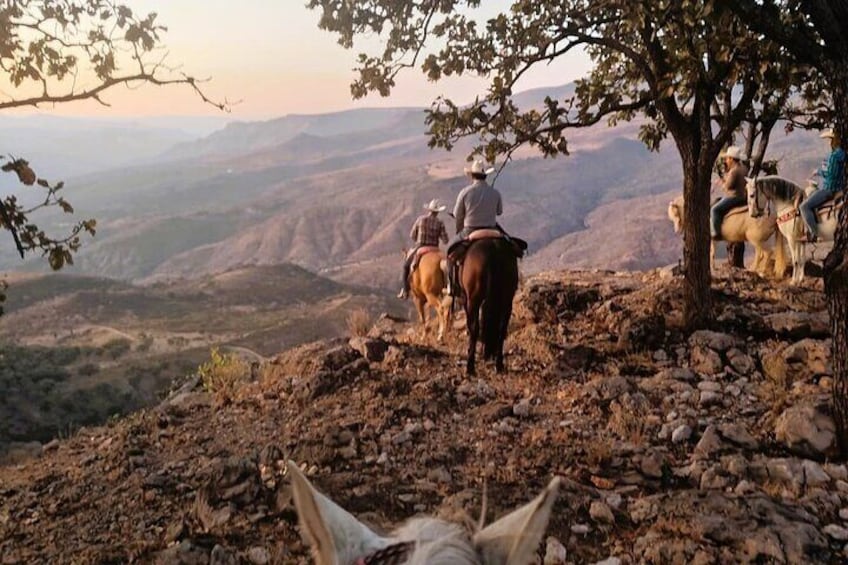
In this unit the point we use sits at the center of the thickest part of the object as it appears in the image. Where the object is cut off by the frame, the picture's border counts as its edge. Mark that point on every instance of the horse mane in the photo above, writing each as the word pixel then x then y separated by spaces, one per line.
pixel 780 187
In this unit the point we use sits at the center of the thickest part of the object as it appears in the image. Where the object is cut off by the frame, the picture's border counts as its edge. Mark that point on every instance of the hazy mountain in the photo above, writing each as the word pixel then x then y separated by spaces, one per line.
pixel 61 148
pixel 337 193
pixel 241 138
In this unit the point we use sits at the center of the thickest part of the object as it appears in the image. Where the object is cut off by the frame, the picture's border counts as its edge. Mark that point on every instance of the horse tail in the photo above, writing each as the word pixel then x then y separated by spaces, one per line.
pixel 779 253
pixel 491 321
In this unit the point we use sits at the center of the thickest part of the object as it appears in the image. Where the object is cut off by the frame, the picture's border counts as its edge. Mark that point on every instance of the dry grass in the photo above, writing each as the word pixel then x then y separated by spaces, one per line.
pixel 223 374
pixel 358 322
pixel 774 489
pixel 598 451
pixel 630 424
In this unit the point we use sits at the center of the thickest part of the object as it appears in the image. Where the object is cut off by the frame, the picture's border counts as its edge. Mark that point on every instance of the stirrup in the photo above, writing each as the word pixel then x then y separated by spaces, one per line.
pixel 403 294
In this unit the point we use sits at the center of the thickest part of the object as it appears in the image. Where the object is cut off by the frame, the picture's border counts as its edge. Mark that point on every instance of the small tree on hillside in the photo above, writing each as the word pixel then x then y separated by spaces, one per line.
pixel 53 52
pixel 815 33
pixel 691 71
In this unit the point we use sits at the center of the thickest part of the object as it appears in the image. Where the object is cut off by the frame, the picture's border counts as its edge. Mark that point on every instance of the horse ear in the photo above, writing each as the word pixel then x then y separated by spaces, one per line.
pixel 513 539
pixel 334 535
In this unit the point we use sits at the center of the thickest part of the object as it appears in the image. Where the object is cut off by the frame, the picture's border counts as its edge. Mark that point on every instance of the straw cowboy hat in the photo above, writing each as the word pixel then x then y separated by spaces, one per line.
pixel 829 134
pixel 433 206
pixel 733 152
pixel 476 168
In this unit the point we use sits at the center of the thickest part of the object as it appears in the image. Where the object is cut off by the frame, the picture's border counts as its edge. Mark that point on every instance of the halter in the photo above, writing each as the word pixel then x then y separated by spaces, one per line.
pixel 761 210
pixel 392 555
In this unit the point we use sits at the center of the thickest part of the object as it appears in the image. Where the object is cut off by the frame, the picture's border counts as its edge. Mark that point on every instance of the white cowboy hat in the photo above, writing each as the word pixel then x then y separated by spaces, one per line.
pixel 733 152
pixel 828 134
pixel 433 206
pixel 476 168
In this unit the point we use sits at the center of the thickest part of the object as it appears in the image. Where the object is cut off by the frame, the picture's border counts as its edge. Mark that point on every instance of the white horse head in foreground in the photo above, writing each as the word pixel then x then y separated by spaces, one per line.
pixel 337 538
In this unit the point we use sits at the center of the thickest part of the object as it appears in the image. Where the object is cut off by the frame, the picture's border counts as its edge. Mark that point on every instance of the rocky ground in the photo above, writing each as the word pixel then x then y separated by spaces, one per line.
pixel 712 447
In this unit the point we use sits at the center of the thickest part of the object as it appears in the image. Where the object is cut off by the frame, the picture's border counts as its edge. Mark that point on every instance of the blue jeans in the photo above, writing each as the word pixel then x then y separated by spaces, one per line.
pixel 721 208
pixel 808 209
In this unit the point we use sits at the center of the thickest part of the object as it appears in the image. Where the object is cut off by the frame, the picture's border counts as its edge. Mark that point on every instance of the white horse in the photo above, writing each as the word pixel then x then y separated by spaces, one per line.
pixel 782 193
pixel 739 226
pixel 337 538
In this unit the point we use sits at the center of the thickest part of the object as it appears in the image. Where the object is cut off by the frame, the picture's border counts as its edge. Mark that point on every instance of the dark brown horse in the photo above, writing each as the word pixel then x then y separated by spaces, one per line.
pixel 490 279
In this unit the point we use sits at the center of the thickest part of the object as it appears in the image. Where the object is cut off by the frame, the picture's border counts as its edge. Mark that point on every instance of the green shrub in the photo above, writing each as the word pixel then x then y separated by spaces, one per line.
pixel 88 369
pixel 222 374
pixel 116 348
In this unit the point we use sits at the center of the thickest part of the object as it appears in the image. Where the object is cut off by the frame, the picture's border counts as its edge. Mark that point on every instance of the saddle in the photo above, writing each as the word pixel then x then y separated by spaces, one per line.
pixel 737 210
pixel 456 254
pixel 457 251
pixel 421 252
pixel 831 205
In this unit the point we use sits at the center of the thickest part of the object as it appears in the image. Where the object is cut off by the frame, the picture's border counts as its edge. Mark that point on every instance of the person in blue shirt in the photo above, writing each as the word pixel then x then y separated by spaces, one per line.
pixel 833 182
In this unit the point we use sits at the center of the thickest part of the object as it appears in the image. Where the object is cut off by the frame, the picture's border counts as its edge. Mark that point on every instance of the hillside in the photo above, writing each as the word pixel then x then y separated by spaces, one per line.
pixel 78 350
pixel 704 448
pixel 336 194
pixel 63 148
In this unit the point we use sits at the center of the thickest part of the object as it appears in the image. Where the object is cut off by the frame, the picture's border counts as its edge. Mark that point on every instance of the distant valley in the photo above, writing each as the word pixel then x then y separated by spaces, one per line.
pixel 76 350
pixel 260 236
pixel 336 194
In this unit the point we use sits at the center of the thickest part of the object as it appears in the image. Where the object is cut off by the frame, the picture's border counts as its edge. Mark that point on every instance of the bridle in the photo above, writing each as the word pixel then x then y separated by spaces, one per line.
pixel 757 209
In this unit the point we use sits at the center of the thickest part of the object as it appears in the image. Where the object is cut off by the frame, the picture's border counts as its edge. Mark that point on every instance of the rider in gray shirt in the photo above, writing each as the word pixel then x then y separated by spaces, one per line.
pixel 478 205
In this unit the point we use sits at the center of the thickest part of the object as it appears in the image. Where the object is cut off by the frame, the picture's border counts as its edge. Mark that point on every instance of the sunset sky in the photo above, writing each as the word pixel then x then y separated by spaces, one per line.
pixel 270 55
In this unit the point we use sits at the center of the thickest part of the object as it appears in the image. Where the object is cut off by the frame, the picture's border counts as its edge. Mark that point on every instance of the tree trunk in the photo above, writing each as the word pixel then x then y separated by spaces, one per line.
pixel 697 303
pixel 736 255
pixel 836 278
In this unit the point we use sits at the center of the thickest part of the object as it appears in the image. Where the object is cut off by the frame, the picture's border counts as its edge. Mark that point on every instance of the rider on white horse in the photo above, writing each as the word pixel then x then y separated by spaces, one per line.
pixel 734 188
pixel 833 175
pixel 427 231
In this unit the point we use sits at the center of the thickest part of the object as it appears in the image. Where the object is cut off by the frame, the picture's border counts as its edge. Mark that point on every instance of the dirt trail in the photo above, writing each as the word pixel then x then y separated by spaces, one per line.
pixel 669 445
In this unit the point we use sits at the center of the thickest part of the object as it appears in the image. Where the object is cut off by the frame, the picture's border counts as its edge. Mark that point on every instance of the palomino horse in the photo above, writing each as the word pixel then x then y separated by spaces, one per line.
pixel 337 538
pixel 782 192
pixel 739 226
pixel 427 283
pixel 489 279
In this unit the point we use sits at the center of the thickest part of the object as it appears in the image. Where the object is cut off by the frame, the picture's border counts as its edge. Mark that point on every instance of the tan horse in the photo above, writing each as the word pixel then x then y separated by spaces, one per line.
pixel 739 226
pixel 427 283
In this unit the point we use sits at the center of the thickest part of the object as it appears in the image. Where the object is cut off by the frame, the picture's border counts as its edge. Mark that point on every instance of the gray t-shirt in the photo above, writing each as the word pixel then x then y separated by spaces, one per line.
pixel 477 206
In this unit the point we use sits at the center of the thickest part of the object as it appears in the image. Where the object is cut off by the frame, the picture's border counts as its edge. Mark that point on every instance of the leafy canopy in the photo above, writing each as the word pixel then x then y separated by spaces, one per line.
pixel 681 64
pixel 57 51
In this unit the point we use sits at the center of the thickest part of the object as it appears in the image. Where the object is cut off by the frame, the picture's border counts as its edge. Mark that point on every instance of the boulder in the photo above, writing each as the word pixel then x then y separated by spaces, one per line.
pixel 716 341
pixel 373 350
pixel 781 532
pixel 807 430
pixel 805 360
pixel 799 324
pixel 705 360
